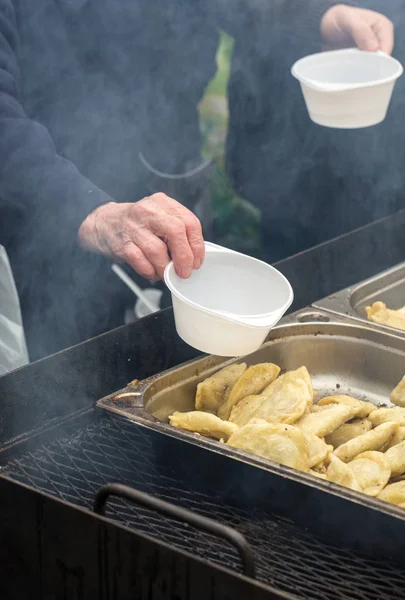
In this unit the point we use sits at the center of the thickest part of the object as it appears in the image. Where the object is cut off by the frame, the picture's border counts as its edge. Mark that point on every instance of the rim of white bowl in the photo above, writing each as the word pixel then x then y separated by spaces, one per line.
pixel 214 313
pixel 342 87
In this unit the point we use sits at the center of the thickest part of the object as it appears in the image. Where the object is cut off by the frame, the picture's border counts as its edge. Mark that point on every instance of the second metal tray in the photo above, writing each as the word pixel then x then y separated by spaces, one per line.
pixel 388 287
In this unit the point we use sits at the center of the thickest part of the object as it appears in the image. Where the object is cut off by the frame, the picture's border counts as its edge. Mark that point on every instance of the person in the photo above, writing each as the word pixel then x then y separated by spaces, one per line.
pixel 85 87
pixel 312 183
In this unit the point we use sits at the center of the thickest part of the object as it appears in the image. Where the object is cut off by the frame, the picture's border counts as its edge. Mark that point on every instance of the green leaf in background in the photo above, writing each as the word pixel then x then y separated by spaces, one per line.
pixel 236 220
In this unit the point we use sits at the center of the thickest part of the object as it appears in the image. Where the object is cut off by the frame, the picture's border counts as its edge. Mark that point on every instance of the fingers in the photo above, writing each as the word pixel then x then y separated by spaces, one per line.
pixel 154 250
pixel 173 230
pixel 182 231
pixel 195 239
pixel 135 257
pixel 143 233
pixel 360 31
pixel 384 30
pixel 369 30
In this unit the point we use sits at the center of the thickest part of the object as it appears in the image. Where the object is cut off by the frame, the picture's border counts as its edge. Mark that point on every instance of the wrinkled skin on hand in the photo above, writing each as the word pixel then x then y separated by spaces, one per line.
pixel 346 25
pixel 146 234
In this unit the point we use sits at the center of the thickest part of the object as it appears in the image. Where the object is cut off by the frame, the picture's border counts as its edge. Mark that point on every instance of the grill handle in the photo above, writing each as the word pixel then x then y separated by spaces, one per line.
pixel 181 514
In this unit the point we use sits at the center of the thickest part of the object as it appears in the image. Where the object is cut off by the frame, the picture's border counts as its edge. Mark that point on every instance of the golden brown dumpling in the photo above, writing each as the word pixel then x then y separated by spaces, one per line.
pixel 372 440
pixel 244 410
pixel 399 436
pixel 204 424
pixel 365 408
pixel 287 398
pixel 322 423
pixel 385 415
pixel 379 313
pixel 319 475
pixel 348 431
pixel 396 457
pixel 252 383
pixel 372 472
pixel 339 472
pixel 394 493
pixel 283 444
pixel 318 451
pixel 398 394
pixel 215 390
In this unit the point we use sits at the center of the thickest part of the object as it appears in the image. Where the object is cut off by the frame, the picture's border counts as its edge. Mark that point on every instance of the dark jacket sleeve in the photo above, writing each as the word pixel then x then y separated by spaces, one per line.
pixel 33 177
pixel 296 18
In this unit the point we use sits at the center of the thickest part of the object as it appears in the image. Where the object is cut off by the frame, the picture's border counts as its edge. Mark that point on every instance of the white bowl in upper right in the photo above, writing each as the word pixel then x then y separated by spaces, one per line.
pixel 347 89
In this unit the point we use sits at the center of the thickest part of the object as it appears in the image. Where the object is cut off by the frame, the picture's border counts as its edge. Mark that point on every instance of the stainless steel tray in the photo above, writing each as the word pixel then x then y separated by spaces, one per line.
pixel 389 287
pixel 341 358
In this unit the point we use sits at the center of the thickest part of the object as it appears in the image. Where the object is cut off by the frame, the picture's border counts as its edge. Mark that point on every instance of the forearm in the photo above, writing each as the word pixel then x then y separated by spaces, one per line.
pixel 33 177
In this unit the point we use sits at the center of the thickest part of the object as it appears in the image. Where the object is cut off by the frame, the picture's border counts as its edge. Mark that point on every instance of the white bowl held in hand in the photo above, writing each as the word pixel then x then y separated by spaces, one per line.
pixel 229 305
pixel 347 89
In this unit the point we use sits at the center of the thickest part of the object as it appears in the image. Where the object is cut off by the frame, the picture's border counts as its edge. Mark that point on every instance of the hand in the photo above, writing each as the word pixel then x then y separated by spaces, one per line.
pixel 344 25
pixel 143 233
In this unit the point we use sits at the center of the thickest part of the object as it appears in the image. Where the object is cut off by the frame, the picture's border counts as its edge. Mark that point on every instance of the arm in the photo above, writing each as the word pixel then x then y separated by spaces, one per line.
pixel 62 204
pixel 32 174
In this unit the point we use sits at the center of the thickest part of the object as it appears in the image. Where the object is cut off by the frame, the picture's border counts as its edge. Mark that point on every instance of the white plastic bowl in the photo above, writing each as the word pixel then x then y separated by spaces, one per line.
pixel 229 305
pixel 347 89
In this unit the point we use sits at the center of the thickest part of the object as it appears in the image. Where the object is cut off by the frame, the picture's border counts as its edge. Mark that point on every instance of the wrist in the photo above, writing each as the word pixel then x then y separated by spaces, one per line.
pixel 89 227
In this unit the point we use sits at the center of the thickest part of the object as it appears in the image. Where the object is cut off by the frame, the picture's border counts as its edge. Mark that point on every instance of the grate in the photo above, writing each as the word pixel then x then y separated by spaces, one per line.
pixel 110 449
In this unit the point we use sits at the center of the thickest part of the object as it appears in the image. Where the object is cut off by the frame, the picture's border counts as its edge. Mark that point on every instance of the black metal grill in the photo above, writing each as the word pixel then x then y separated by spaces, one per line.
pixel 107 449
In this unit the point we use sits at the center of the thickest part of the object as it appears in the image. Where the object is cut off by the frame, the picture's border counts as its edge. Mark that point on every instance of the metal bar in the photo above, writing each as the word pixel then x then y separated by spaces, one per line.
pixel 181 514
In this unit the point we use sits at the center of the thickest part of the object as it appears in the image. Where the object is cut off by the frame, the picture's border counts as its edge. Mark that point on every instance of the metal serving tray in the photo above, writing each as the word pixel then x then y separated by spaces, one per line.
pixel 341 358
pixel 388 287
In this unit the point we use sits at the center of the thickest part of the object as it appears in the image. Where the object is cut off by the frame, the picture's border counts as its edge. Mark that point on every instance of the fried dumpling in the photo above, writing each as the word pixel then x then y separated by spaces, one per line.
pixel 252 383
pixel 372 472
pixel 379 313
pixel 399 436
pixel 365 408
pixel 339 472
pixel 244 410
pixel 398 394
pixel 204 424
pixel 396 457
pixel 287 398
pixel 385 415
pixel 348 431
pixel 322 423
pixel 394 493
pixel 215 390
pixel 283 444
pixel 316 474
pixel 318 451
pixel 372 440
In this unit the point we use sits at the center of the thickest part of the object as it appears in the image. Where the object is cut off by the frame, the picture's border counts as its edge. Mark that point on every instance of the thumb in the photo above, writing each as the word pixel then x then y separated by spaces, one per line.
pixel 361 33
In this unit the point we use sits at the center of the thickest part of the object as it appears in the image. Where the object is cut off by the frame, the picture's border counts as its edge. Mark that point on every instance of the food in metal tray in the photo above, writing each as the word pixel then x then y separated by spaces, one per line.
pixel 255 380
pixel 215 390
pixel 394 493
pixel 398 394
pixel 379 313
pixel 372 440
pixel 203 423
pixel 340 439
pixel 348 431
pixel 372 471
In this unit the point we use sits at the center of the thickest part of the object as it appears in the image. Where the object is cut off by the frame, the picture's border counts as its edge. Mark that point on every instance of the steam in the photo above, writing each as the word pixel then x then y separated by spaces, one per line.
pixel 112 79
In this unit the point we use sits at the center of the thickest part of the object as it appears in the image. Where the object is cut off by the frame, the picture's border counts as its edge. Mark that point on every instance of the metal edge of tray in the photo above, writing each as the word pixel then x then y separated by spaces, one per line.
pixel 342 303
pixel 129 402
